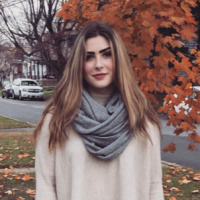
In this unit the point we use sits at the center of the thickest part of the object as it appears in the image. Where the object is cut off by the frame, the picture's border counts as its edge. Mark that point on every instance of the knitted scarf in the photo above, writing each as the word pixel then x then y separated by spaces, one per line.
pixel 103 128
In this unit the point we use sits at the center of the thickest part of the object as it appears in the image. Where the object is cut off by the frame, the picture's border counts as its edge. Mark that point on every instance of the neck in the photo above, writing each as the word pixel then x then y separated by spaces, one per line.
pixel 101 91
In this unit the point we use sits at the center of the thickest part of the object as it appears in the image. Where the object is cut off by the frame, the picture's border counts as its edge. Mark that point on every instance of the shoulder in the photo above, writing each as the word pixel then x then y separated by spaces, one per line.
pixel 45 126
pixel 154 133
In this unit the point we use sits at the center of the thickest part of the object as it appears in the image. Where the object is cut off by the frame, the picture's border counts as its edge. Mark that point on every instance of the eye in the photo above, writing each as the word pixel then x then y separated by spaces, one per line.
pixel 107 54
pixel 89 57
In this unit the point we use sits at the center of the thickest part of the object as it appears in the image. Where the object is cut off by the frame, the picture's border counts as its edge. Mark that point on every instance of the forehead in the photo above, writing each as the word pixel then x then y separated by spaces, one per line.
pixel 96 44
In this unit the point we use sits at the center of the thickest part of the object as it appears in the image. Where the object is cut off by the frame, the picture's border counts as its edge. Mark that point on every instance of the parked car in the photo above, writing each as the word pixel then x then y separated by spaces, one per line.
pixel 27 88
pixel 7 91
pixel 183 105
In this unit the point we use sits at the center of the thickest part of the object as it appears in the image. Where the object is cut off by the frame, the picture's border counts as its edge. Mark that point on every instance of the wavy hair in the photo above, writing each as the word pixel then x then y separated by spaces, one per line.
pixel 66 98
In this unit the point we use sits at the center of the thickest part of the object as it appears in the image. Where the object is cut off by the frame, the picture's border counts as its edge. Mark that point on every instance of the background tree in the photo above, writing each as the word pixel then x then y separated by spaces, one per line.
pixel 153 32
pixel 43 34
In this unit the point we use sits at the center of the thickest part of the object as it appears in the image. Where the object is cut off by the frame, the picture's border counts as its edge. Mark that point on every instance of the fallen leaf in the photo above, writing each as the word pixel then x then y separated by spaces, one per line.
pixel 196 178
pixel 167 176
pixel 185 181
pixel 20 156
pixel 17 177
pixel 31 192
pixel 2 187
pixel 195 191
pixel 10 167
pixel 27 177
pixel 174 189
pixel 5 156
pixel 14 189
pixel 9 192
pixel 6 171
pixel 172 198
pixel 17 148
pixel 168 181
pixel 179 194
pixel 26 154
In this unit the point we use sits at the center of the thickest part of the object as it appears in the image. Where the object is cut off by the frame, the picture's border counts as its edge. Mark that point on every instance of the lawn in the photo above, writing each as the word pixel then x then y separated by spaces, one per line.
pixel 17 186
pixel 181 183
pixel 7 123
pixel 178 183
pixel 17 150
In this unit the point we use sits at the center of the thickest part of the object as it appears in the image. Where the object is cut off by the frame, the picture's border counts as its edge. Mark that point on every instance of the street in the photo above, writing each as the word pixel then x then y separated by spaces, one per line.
pixel 31 111
pixel 25 111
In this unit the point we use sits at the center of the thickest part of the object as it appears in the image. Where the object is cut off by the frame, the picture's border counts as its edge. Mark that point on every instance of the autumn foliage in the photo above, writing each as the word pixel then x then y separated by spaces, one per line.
pixel 153 32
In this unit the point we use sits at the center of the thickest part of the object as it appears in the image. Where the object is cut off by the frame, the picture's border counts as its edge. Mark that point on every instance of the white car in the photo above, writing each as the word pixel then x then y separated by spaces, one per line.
pixel 183 105
pixel 27 88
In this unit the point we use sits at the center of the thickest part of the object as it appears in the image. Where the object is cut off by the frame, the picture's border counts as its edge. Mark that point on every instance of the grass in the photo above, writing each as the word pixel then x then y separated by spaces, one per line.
pixel 14 186
pixel 180 183
pixel 48 91
pixel 17 151
pixel 7 123
pixel 171 179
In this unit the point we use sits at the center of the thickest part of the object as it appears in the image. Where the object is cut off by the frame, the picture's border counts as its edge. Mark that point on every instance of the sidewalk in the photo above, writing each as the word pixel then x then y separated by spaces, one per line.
pixel 18 130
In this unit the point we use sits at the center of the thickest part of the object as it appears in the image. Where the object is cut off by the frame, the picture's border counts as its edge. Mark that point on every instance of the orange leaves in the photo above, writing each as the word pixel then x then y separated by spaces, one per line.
pixel 172 198
pixel 194 137
pixel 181 182
pixel 178 20
pixel 20 156
pixel 188 32
pixel 192 146
pixel 27 177
pixel 170 147
pixel 4 156
pixel 153 50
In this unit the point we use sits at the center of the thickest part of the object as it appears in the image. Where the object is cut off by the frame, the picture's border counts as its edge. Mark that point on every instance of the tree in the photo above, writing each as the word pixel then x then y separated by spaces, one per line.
pixel 43 34
pixel 153 33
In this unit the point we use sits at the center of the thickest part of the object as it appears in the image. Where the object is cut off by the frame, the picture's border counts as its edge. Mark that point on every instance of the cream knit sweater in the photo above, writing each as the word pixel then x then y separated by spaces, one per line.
pixel 72 173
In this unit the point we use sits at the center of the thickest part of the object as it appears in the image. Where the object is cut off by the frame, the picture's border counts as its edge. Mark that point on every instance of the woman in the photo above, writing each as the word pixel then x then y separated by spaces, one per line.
pixel 99 137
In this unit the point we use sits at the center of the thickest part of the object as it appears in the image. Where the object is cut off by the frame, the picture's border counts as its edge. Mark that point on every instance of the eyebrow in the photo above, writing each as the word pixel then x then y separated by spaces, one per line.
pixel 101 51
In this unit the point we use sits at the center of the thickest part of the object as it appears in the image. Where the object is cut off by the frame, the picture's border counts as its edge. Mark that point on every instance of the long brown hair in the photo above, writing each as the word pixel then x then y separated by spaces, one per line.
pixel 66 98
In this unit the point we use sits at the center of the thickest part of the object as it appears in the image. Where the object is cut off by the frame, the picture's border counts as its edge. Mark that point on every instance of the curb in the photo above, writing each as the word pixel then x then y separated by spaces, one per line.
pixel 19 170
pixel 165 163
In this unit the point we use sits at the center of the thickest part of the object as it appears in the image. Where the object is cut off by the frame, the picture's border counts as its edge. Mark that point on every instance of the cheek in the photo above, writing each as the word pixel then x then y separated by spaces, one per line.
pixel 110 66
pixel 87 69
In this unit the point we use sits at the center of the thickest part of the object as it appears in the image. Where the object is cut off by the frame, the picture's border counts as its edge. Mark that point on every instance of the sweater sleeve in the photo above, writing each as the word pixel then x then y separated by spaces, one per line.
pixel 156 190
pixel 45 165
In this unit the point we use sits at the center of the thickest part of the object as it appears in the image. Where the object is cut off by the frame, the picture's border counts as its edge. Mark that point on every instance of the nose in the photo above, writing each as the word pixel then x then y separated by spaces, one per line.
pixel 99 63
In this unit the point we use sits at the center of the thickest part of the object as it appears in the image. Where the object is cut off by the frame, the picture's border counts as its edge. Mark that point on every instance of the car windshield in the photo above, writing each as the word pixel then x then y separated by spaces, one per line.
pixel 29 83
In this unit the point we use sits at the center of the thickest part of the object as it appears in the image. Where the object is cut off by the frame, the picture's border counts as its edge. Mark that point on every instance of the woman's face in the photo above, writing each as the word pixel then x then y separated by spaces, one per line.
pixel 98 68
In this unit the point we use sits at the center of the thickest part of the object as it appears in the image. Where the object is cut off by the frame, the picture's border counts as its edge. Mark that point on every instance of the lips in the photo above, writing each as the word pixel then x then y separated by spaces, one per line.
pixel 100 75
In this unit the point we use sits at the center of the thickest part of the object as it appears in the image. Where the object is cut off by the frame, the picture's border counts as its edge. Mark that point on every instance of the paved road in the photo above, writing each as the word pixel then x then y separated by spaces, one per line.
pixel 31 111
pixel 182 155
pixel 26 110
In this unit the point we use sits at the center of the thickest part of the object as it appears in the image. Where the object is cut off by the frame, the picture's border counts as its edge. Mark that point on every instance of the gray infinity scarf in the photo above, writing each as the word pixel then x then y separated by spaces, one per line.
pixel 104 128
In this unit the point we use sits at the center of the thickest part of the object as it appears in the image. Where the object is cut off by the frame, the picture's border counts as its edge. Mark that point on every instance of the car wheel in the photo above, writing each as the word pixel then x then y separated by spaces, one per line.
pixel 20 96
pixel 2 95
pixel 14 96
pixel 5 95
